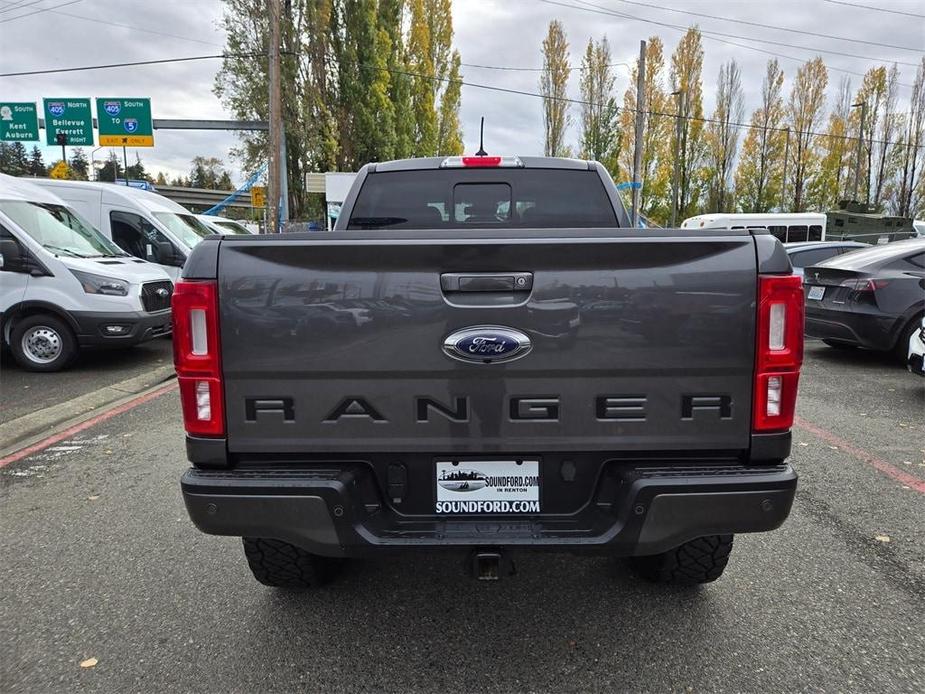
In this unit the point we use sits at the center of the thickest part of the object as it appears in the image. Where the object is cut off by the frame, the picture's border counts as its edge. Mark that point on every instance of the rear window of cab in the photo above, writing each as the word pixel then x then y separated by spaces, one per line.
pixel 484 199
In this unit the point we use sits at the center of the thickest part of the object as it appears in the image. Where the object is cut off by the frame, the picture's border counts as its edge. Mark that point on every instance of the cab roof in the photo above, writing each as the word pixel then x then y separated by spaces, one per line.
pixel 12 188
pixel 112 192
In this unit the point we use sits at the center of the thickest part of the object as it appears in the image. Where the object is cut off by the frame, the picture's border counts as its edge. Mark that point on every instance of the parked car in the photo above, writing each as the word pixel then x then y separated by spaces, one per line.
pixel 221 225
pixel 64 286
pixel 871 298
pixel 805 253
pixel 144 224
pixel 484 417
pixel 915 359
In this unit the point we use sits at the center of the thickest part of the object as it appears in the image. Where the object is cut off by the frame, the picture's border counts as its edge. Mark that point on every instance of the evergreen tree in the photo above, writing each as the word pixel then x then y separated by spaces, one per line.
pixel 553 84
pixel 78 164
pixel 112 169
pixel 37 163
pixel 161 179
pixel 136 172
pixel 13 159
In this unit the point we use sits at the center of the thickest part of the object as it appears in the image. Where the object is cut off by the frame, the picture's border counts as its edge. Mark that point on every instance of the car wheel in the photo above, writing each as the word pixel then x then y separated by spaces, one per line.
pixel 43 343
pixel 699 561
pixel 901 348
pixel 282 565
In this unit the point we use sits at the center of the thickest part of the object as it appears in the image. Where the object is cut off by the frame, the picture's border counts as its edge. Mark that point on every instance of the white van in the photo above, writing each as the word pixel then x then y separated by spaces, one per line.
pixel 798 226
pixel 144 224
pixel 63 285
pixel 222 225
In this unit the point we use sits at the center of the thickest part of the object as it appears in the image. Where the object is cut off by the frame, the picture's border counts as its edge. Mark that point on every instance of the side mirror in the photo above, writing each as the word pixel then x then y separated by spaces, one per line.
pixel 10 258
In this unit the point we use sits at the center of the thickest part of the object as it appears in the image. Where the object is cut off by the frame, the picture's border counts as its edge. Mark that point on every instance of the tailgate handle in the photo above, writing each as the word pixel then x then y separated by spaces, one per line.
pixel 486 281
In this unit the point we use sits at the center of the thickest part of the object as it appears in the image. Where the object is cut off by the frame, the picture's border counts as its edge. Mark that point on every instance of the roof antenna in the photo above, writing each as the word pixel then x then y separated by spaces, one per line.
pixel 482 152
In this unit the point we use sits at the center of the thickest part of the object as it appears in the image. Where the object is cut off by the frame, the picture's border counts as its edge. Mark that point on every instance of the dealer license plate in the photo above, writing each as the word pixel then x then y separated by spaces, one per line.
pixel 487 486
pixel 816 293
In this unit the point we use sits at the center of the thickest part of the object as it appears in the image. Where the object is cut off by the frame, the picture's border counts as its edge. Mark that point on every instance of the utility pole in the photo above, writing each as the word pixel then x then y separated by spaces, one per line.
pixel 857 160
pixel 677 159
pixel 783 183
pixel 274 168
pixel 640 126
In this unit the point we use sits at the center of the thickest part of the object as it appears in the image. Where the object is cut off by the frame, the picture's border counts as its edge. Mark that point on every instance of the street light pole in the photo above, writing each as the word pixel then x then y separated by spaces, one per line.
pixel 640 125
pixel 677 159
pixel 857 161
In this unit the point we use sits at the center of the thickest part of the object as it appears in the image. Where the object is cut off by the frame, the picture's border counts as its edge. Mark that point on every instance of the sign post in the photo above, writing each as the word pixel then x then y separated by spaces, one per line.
pixel 19 121
pixel 125 122
pixel 70 117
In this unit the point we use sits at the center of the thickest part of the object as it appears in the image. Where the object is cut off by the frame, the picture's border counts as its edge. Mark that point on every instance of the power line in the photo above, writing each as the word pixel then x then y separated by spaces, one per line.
pixel 876 9
pixel 744 38
pixel 19 5
pixel 110 66
pixel 38 11
pixel 683 29
pixel 770 26
pixel 134 28
pixel 534 69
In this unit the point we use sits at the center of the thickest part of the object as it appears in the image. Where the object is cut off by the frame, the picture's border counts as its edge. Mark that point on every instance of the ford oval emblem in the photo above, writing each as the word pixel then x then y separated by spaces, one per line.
pixel 487 344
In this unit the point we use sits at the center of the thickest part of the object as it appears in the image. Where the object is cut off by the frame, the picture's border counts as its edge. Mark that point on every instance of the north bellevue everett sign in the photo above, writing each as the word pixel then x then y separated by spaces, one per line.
pixel 19 121
pixel 125 122
pixel 71 117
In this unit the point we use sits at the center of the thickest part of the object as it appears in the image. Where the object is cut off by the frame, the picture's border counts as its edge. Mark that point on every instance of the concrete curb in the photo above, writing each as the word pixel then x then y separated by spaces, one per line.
pixel 17 432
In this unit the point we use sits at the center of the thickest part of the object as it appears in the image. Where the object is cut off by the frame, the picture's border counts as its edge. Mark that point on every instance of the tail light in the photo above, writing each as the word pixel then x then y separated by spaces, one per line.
pixel 779 351
pixel 197 356
pixel 864 285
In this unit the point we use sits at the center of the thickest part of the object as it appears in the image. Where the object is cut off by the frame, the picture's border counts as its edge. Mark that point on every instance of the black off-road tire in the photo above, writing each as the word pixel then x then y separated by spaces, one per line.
pixel 57 332
pixel 282 565
pixel 698 561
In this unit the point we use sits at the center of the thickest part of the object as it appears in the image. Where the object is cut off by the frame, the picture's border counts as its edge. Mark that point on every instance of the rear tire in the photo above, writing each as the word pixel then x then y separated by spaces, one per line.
pixel 698 561
pixel 901 348
pixel 282 565
pixel 43 342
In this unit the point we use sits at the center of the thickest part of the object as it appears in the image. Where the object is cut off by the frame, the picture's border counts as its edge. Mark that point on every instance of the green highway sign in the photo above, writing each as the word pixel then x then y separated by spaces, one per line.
pixel 72 117
pixel 19 121
pixel 125 122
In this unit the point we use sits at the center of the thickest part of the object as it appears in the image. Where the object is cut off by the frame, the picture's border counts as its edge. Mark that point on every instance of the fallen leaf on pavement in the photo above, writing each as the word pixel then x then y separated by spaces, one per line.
pixel 93 498
pixel 89 662
pixel 803 443
pixel 882 538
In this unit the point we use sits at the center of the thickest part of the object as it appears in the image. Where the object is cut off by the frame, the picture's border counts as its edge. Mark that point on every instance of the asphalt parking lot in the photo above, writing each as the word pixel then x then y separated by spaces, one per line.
pixel 100 561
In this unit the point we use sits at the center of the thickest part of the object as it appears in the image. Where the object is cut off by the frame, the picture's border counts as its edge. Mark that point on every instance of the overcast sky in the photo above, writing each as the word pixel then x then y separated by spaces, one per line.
pixel 488 32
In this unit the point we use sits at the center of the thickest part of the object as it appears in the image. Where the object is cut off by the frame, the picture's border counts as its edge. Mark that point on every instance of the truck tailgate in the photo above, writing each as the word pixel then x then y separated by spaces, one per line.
pixel 640 341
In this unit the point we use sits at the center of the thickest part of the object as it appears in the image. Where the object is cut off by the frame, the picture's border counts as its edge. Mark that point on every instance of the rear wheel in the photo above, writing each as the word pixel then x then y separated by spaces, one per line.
pixel 901 349
pixel 43 343
pixel 282 565
pixel 698 561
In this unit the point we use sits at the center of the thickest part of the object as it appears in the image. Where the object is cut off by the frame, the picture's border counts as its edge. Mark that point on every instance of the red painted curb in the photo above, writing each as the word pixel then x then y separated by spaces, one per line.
pixel 70 431
pixel 886 468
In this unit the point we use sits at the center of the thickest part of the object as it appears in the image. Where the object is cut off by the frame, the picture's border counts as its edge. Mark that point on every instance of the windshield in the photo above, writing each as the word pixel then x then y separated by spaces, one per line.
pixel 59 230
pixel 233 227
pixel 184 226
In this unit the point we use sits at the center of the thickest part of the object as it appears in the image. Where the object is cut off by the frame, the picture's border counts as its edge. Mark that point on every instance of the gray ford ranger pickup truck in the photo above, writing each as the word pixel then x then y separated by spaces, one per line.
pixel 484 357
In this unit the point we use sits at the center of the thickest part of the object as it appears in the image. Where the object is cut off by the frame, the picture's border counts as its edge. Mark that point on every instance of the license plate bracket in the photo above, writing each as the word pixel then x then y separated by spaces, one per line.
pixel 478 487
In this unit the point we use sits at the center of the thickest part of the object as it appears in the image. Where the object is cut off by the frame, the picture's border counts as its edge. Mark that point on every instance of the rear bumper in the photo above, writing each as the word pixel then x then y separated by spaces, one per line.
pixel 336 510
pixel 137 327
pixel 864 329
